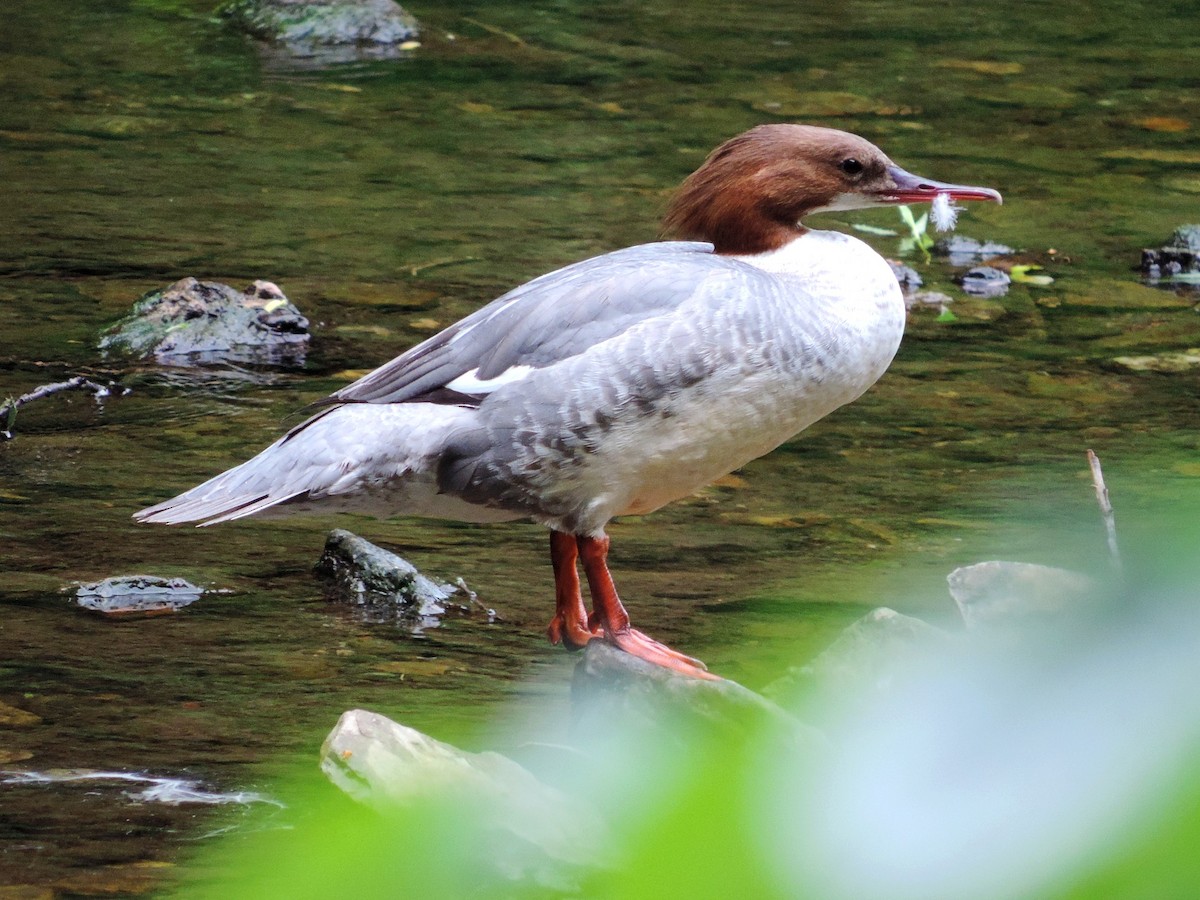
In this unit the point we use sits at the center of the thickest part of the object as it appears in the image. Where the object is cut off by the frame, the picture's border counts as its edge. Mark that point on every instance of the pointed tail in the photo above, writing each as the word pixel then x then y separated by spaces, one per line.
pixel 338 459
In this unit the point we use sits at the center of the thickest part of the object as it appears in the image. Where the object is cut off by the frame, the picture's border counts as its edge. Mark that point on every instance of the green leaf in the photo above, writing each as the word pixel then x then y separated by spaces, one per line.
pixel 917 229
pixel 874 229
pixel 1021 274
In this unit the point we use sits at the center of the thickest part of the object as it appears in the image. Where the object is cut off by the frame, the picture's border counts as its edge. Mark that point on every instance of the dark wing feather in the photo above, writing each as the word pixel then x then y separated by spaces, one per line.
pixel 544 321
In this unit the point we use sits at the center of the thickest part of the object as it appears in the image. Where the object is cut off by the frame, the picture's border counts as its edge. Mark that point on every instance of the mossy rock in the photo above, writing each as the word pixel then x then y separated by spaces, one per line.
pixel 322 22
pixel 202 322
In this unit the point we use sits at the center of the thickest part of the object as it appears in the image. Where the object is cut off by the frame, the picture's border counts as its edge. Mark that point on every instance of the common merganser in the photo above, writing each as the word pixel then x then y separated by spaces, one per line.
pixel 618 384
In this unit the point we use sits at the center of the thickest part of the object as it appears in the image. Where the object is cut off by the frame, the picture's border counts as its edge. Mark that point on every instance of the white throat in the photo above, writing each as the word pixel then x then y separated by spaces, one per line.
pixel 819 253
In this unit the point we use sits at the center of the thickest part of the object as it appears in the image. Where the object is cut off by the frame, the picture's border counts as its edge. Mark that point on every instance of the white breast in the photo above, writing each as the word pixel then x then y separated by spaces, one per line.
pixel 832 332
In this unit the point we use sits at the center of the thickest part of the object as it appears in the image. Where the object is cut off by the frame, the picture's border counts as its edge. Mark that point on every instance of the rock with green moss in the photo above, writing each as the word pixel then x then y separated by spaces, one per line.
pixel 195 322
pixel 383 585
pixel 313 24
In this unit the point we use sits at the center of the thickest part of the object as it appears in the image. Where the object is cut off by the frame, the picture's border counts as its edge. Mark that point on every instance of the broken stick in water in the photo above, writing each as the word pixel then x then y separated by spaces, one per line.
pixel 8 409
pixel 1110 522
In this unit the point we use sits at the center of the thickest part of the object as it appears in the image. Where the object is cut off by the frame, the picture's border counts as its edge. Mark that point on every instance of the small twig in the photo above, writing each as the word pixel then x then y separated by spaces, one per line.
pixel 8 409
pixel 499 32
pixel 1110 522
pixel 433 264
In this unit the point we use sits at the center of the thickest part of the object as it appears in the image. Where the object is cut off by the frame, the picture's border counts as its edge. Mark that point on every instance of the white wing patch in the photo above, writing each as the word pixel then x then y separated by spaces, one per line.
pixel 469 383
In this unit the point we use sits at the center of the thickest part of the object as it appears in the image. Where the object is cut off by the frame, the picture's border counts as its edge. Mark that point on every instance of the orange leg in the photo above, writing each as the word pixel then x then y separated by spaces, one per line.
pixel 570 623
pixel 609 613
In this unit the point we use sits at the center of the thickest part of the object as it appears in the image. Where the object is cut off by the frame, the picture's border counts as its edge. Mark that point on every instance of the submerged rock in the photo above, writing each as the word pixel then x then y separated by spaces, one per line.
pixel 15 717
pixel 331 30
pixel 962 251
pixel 780 97
pixel 995 591
pixel 928 300
pixel 386 765
pixel 356 572
pixel 984 281
pixel 137 594
pixel 1165 363
pixel 194 323
pixel 1178 258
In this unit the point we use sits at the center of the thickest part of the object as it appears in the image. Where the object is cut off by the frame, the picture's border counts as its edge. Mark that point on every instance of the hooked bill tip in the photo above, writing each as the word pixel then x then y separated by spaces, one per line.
pixel 910 188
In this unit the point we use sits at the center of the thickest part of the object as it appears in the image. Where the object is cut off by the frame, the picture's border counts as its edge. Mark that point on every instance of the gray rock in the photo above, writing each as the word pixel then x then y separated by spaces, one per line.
pixel 611 685
pixel 908 277
pixel 984 281
pixel 331 30
pixel 1177 259
pixel 137 594
pixel 386 586
pixel 963 251
pixel 194 323
pixel 1186 237
pixel 1003 592
pixel 386 765
pixel 934 299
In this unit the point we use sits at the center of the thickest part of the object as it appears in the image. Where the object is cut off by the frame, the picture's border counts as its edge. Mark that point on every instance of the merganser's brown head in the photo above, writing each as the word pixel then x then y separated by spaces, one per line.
pixel 751 193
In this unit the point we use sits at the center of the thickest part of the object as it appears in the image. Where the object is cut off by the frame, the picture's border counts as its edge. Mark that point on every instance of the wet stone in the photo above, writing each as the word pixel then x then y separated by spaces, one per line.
pixel 137 595
pixel 529 829
pixel 963 251
pixel 928 299
pixel 1027 94
pixel 1186 236
pixel 1178 258
pixel 15 717
pixel 1164 363
pixel 984 281
pixel 330 30
pixel 1114 295
pixel 1184 184
pixel 385 586
pixel 907 276
pixel 195 323
pixel 610 685
pixel 26 892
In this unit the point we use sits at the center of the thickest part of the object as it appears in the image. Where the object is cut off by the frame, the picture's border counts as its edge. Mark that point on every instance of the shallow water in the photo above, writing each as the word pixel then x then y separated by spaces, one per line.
pixel 141 143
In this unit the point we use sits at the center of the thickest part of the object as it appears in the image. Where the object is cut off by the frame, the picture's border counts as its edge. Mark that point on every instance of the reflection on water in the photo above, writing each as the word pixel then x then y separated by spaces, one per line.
pixel 388 199
pixel 137 787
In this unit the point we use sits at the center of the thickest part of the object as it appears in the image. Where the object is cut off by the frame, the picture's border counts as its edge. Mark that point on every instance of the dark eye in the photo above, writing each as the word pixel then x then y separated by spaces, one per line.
pixel 851 166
